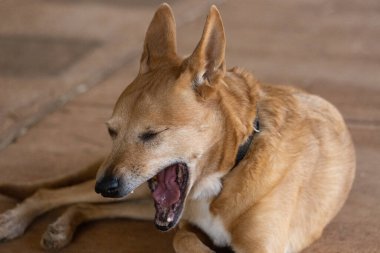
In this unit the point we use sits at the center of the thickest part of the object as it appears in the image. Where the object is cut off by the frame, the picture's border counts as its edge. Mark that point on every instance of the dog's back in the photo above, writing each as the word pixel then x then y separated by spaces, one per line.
pixel 297 175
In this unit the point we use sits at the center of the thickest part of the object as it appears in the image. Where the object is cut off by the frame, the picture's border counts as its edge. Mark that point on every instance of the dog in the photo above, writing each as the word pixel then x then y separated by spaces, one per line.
pixel 257 168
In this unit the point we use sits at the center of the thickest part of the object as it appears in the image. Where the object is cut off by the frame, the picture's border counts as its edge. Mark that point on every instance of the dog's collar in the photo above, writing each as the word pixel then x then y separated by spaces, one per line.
pixel 243 148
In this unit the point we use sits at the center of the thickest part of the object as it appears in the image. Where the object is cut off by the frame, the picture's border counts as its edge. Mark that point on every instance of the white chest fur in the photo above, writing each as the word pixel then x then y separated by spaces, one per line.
pixel 198 213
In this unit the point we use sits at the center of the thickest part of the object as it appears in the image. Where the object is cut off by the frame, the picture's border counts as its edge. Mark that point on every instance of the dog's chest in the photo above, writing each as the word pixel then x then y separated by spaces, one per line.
pixel 198 213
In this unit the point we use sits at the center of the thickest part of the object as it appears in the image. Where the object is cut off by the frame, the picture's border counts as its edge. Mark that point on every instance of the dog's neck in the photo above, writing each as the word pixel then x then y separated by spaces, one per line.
pixel 238 100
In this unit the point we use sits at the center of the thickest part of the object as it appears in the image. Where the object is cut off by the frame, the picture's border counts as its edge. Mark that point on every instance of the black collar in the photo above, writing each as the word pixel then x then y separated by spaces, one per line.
pixel 243 148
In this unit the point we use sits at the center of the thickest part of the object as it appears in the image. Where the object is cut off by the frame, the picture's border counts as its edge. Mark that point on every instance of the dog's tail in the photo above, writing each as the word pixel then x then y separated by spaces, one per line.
pixel 20 192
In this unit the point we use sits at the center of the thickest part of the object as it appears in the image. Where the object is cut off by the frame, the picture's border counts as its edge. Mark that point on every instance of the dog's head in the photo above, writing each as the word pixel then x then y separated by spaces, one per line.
pixel 168 121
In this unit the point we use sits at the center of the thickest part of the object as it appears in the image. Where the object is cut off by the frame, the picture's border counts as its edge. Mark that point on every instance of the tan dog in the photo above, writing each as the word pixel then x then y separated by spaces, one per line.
pixel 258 168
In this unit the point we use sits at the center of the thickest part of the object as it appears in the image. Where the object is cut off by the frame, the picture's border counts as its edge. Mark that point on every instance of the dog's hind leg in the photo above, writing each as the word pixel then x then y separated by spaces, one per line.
pixel 21 191
pixel 60 233
pixel 14 221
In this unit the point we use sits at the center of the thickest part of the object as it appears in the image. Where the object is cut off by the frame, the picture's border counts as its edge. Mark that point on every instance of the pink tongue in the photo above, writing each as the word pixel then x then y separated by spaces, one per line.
pixel 167 190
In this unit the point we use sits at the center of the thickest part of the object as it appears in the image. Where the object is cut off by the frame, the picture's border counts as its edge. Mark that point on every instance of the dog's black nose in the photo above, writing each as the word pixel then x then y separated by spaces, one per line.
pixel 108 186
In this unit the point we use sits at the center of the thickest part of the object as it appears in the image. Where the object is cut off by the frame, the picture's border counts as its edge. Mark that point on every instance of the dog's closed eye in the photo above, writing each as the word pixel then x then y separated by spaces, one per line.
pixel 149 135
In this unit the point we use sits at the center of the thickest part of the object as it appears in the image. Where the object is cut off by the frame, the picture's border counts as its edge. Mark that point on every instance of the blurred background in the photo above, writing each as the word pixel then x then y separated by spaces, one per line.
pixel 63 64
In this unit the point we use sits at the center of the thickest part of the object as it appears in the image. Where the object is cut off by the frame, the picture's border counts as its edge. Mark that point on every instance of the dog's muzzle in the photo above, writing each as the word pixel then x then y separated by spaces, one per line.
pixel 113 186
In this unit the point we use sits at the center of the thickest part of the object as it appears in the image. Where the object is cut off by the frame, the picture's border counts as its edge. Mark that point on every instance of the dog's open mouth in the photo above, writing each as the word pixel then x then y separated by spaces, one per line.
pixel 169 188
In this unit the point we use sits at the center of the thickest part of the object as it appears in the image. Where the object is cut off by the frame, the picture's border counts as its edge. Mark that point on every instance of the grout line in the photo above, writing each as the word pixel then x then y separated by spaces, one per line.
pixel 362 123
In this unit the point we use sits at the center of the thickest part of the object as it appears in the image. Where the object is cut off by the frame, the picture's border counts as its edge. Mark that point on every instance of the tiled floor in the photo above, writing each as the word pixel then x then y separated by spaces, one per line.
pixel 53 51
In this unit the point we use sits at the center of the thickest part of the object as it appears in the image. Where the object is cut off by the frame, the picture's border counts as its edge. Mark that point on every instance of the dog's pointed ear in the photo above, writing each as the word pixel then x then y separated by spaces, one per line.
pixel 160 39
pixel 207 61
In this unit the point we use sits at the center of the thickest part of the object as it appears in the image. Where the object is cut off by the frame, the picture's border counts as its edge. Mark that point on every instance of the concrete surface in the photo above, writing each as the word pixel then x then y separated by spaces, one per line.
pixel 64 63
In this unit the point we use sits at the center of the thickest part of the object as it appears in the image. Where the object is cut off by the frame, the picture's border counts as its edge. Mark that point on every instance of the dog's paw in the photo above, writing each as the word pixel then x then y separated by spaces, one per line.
pixel 56 236
pixel 12 225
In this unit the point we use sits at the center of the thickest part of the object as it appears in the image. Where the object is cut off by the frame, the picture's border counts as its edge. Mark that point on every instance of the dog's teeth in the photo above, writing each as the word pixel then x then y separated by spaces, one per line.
pixel 161 223
pixel 179 173
pixel 132 192
pixel 170 217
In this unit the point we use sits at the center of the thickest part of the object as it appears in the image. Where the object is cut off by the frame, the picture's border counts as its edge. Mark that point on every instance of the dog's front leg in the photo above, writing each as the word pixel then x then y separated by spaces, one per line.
pixel 264 228
pixel 14 221
pixel 60 233
pixel 186 241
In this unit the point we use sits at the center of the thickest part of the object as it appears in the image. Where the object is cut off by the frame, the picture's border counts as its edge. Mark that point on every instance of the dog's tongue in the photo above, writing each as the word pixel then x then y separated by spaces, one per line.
pixel 167 191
